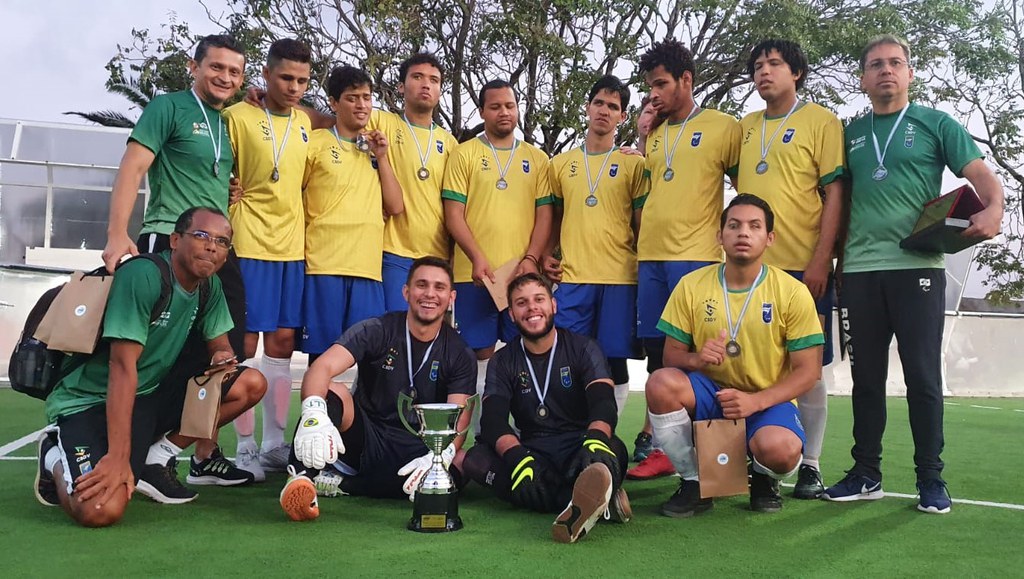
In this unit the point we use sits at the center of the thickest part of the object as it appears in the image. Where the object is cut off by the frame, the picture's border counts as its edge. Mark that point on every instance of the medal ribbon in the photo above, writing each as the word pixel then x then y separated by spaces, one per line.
pixel 209 129
pixel 670 154
pixel 533 376
pixel 764 125
pixel 408 351
pixel 592 184
pixel 880 155
pixel 502 172
pixel 735 330
pixel 419 151
pixel 273 137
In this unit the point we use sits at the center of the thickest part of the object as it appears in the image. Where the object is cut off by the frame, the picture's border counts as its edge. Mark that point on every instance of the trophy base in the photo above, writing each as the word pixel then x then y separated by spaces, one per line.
pixel 435 513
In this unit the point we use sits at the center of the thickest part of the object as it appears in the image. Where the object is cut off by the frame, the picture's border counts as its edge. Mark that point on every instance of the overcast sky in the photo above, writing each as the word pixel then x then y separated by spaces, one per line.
pixel 53 53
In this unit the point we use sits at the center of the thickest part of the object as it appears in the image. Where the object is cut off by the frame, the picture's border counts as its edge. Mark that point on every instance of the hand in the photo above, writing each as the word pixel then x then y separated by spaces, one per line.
pixel 254 96
pixel 737 404
pixel 481 270
pixel 596 449
pixel 816 277
pixel 713 351
pixel 317 442
pixel 117 247
pixel 417 468
pixel 631 151
pixel 526 265
pixel 378 143
pixel 235 191
pixel 107 478
pixel 986 223
pixel 222 360
pixel 552 268
pixel 526 478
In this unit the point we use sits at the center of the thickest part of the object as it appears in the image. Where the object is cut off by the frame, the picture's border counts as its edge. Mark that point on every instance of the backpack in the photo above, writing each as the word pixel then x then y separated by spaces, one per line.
pixel 35 369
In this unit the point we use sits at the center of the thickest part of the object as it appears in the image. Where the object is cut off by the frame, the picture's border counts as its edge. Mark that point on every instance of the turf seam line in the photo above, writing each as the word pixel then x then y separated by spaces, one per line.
pixel 23 441
pixel 1010 506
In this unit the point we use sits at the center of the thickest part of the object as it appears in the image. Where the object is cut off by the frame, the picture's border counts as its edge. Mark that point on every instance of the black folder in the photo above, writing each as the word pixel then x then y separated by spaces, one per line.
pixel 942 221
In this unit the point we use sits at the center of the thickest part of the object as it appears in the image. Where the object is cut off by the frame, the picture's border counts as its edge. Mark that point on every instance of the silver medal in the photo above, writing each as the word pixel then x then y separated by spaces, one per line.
pixel 669 174
pixel 216 169
pixel 423 173
pixel 591 201
pixel 502 184
pixel 362 143
pixel 542 412
pixel 880 173
pixel 732 348
pixel 762 167
pixel 275 175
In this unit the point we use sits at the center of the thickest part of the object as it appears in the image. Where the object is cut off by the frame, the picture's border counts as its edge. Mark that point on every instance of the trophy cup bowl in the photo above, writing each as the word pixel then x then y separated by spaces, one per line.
pixel 435 506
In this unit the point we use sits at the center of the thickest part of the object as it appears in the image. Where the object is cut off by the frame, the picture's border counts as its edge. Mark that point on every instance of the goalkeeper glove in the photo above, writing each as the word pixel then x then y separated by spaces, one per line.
pixel 317 442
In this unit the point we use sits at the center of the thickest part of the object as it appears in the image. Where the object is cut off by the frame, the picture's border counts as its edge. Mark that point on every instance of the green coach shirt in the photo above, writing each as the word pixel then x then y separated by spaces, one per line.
pixel 174 128
pixel 135 291
pixel 884 212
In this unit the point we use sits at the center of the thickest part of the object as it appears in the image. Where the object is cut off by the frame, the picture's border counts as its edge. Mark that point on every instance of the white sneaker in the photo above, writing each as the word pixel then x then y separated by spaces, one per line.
pixel 275 459
pixel 247 458
pixel 328 484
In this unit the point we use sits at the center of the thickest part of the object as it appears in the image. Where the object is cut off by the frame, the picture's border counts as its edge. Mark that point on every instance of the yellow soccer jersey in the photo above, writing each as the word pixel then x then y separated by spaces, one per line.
pixel 419 230
pixel 806 153
pixel 680 216
pixel 268 221
pixel 501 220
pixel 780 319
pixel 344 209
pixel 597 240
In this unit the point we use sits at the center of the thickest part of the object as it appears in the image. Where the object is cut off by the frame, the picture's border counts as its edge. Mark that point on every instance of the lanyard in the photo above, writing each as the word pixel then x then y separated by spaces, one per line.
pixel 275 175
pixel 671 153
pixel 880 154
pixel 592 183
pixel 209 130
pixel 408 350
pixel 735 330
pixel 419 151
pixel 503 171
pixel 764 125
pixel 541 394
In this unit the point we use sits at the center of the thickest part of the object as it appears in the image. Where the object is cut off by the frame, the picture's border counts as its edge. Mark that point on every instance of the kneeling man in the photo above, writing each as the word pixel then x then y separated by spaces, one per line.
pixel 723 362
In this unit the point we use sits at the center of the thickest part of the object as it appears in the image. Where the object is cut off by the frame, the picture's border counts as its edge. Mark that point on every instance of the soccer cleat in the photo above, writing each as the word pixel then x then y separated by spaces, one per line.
pixel 46 487
pixel 216 470
pixel 328 484
pixel 298 497
pixel 655 465
pixel 764 494
pixel 642 446
pixel 808 483
pixel 160 483
pixel 686 501
pixel 854 487
pixel 248 459
pixel 619 510
pixel 590 495
pixel 933 496
pixel 276 459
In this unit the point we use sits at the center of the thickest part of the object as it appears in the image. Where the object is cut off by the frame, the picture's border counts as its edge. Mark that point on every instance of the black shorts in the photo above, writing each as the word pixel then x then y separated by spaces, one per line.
pixel 376 452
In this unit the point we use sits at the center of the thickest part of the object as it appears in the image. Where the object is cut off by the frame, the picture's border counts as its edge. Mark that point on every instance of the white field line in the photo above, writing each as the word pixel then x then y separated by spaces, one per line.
pixel 23 441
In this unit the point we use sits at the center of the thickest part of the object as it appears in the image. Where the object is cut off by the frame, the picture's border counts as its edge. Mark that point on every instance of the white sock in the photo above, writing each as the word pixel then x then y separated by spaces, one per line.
pixel 162 452
pixel 51 459
pixel 481 380
pixel 814 414
pixel 675 434
pixel 621 394
pixel 278 372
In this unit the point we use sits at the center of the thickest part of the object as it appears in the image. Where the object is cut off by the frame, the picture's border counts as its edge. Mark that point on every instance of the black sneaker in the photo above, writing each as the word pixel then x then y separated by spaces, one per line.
pixel 160 483
pixel 808 483
pixel 686 501
pixel 46 487
pixel 764 494
pixel 642 446
pixel 218 471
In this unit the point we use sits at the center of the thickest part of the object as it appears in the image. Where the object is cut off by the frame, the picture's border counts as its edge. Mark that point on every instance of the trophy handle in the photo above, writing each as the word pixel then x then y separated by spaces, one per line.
pixel 469 407
pixel 404 405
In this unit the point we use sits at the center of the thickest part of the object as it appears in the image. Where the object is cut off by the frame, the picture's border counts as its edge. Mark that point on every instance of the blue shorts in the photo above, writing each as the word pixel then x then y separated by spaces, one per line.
pixel 332 304
pixel 785 414
pixel 824 307
pixel 395 270
pixel 478 319
pixel 273 294
pixel 655 283
pixel 604 312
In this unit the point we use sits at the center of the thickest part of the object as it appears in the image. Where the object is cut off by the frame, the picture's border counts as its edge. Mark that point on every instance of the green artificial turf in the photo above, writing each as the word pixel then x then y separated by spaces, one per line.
pixel 242 531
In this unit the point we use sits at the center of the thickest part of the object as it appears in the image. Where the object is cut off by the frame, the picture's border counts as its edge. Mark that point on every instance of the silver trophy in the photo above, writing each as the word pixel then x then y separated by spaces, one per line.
pixel 436 504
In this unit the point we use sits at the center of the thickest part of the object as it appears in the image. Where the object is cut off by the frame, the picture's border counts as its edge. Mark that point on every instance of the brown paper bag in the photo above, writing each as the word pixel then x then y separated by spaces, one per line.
pixel 499 289
pixel 721 457
pixel 201 413
pixel 73 321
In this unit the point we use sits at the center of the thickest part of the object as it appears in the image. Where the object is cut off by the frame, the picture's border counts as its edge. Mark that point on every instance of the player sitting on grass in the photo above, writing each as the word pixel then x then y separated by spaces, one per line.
pixel 106 414
pixel 566 450
pixel 355 443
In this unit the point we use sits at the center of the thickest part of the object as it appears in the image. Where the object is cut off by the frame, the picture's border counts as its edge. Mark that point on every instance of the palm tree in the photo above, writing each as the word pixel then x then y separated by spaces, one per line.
pixel 139 93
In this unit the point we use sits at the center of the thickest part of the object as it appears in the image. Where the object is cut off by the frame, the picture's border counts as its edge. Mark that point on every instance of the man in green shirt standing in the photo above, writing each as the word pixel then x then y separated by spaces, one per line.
pixel 896 155
pixel 106 414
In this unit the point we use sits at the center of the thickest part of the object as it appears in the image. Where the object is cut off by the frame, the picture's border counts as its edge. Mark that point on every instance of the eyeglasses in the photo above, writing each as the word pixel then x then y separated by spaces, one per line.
pixel 204 237
pixel 879 64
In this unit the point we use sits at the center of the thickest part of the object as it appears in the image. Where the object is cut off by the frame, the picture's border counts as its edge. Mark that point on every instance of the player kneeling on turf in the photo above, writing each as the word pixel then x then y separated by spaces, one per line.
pixel 355 443
pixel 558 388
pixel 106 414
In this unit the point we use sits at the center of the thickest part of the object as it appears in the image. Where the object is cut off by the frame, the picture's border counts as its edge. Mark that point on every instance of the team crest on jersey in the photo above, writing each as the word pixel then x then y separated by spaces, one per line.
pixel 440 146
pixel 614 170
pixel 655 144
pixel 710 309
pixel 573 167
pixel 746 138
pixel 434 366
pixel 265 129
pixel 389 359
pixel 908 136
pixel 335 155
pixel 200 129
pixel 484 164
pixel 788 135
pixel 305 137
pixel 858 143
pixel 526 166
pixel 766 312
pixel 400 137
pixel 695 140
pixel 81 454
pixel 566 377
pixel 524 383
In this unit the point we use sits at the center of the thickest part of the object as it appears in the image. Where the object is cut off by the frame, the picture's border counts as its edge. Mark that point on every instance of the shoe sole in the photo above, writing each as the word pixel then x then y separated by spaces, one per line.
pixel 39 476
pixel 933 510
pixel 700 508
pixel 808 496
pixel 648 477
pixel 211 480
pixel 298 499
pixel 620 509
pixel 150 491
pixel 872 496
pixel 590 495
